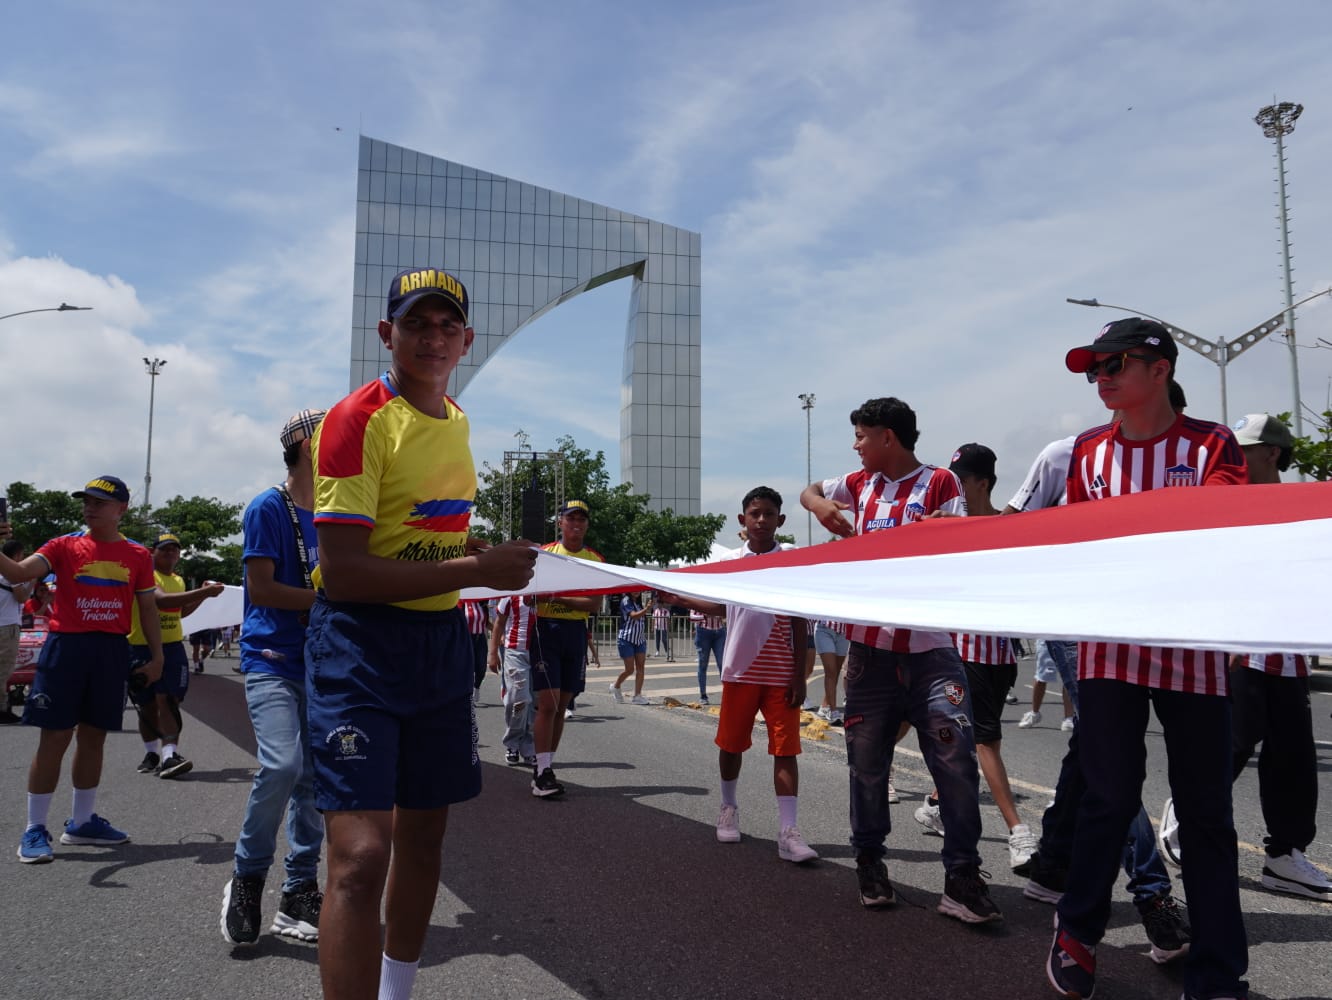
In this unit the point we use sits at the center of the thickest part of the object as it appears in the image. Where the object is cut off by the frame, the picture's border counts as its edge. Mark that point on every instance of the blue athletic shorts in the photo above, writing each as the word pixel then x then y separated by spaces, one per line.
pixel 175 679
pixel 80 678
pixel 559 655
pixel 391 719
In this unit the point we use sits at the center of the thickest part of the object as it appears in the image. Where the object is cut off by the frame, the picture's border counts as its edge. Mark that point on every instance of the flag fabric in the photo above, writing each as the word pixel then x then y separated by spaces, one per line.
pixel 1237 568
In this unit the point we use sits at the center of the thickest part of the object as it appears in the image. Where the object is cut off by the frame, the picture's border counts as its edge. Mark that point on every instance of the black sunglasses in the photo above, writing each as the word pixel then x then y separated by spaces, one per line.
pixel 1113 365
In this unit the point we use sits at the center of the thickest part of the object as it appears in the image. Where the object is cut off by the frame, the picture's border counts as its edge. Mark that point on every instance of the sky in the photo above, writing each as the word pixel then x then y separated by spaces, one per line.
pixel 894 198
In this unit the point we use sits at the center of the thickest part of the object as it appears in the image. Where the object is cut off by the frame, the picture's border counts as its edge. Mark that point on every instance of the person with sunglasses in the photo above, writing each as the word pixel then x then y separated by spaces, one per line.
pixel 1150 446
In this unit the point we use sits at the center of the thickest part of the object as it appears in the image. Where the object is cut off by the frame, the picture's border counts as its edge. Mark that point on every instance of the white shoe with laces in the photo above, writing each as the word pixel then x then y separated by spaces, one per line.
pixel 728 825
pixel 1030 719
pixel 1022 844
pixel 1296 875
pixel 617 694
pixel 792 847
pixel 1067 725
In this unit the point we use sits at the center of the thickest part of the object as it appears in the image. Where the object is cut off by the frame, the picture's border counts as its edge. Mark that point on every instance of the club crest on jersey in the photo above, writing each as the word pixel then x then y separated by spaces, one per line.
pixel 915 510
pixel 349 742
pixel 1181 475
pixel 954 693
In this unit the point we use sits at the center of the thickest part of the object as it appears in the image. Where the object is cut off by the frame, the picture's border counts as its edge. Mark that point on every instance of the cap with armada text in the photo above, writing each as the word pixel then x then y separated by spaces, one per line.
pixel 301 426
pixel 165 538
pixel 412 285
pixel 1125 335
pixel 578 507
pixel 1263 428
pixel 104 488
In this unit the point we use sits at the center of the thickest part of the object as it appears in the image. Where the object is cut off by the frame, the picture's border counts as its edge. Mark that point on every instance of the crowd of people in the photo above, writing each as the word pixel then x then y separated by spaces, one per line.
pixel 361 670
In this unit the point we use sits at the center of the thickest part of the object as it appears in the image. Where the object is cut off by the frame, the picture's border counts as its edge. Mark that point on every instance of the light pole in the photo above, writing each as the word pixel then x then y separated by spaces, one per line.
pixel 153 368
pixel 1222 352
pixel 63 307
pixel 807 404
pixel 1278 121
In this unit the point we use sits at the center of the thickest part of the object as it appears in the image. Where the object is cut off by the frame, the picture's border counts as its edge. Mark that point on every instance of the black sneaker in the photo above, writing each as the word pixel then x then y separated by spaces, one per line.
pixel 875 889
pixel 149 764
pixel 513 758
pixel 174 766
pixel 1045 882
pixel 298 913
pixel 1166 926
pixel 967 898
pixel 240 909
pixel 544 785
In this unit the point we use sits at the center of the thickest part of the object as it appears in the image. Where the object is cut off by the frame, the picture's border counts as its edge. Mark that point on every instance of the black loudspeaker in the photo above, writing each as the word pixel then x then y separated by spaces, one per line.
pixel 535 527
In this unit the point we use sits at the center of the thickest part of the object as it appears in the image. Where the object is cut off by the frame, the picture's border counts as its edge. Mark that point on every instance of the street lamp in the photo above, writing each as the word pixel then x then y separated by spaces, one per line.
pixel 807 401
pixel 1278 121
pixel 153 368
pixel 62 308
pixel 1222 352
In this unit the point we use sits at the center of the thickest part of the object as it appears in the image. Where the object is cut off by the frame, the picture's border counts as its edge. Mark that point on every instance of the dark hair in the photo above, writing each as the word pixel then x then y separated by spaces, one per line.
pixel 1284 459
pixel 890 413
pixel 12 547
pixel 291 455
pixel 761 493
pixel 1175 393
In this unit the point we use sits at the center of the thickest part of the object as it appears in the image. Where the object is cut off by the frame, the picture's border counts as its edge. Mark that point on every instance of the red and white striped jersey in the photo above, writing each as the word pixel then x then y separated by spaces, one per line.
pixel 1190 453
pixel 713 622
pixel 879 503
pixel 522 618
pixel 476 616
pixel 758 644
pixel 1279 664
pixel 994 650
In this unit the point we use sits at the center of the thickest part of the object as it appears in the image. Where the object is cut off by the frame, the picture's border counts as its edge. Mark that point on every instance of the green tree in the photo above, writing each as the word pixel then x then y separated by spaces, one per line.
pixel 1312 454
pixel 623 529
pixel 40 515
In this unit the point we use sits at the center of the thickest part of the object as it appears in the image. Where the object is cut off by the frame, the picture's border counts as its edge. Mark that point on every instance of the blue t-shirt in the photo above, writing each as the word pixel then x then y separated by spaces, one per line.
pixel 272 640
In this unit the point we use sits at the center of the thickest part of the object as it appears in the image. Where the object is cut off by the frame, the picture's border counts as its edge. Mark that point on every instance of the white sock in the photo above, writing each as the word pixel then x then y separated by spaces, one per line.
pixel 396 978
pixel 39 808
pixel 152 746
pixel 786 809
pixel 544 760
pixel 728 791
pixel 168 750
pixel 85 799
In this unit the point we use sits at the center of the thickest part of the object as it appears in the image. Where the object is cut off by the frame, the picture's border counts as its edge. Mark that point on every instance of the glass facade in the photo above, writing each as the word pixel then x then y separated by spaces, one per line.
pixel 521 250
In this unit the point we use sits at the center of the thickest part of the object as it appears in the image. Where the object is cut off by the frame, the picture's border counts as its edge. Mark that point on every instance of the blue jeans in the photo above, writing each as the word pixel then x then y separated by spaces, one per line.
pixel 284 781
pixel 929 690
pixel 708 640
pixel 1112 723
pixel 1147 876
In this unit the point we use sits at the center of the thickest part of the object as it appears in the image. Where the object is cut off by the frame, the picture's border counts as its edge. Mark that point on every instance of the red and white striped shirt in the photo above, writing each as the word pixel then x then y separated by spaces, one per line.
pixel 993 650
pixel 476 616
pixel 879 503
pixel 1190 453
pixel 758 644
pixel 1279 664
pixel 522 616
pixel 712 622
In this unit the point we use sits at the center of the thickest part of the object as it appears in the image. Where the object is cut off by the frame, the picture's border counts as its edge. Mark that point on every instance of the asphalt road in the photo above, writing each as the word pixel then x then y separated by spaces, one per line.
pixel 620 890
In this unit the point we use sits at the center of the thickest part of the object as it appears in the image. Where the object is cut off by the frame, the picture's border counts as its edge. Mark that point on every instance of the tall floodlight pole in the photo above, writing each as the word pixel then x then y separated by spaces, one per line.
pixel 807 404
pixel 1278 121
pixel 153 368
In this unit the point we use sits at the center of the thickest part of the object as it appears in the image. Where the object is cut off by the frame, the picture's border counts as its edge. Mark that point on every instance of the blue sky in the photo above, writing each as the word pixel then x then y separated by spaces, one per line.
pixel 895 199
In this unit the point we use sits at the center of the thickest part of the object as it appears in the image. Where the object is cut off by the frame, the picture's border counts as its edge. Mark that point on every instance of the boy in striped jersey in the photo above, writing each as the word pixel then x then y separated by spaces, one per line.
pixel 896 675
pixel 1149 447
pixel 763 670
pixel 515 620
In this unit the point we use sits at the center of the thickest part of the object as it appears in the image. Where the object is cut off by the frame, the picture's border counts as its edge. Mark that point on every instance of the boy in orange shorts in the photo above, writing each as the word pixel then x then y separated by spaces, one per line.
pixel 763 670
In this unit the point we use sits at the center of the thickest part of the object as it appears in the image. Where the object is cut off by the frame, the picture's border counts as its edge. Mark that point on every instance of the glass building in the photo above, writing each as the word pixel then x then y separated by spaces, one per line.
pixel 521 250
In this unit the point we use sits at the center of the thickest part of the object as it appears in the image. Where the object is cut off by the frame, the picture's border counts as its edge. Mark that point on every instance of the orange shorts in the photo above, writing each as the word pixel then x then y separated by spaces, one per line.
pixel 741 704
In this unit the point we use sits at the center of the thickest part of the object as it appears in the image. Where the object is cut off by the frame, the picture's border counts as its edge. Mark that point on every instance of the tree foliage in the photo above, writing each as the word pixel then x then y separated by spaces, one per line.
pixel 623 529
pixel 1312 454
pixel 201 523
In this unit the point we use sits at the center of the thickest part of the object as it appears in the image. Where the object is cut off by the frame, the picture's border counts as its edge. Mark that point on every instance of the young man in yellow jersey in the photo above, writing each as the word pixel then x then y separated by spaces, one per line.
pixel 388 659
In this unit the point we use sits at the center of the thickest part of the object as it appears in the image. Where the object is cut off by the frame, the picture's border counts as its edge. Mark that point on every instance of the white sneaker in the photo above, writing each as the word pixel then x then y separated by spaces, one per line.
pixel 1011 698
pixel 1293 873
pixel 824 713
pixel 837 717
pixel 792 847
pixel 617 694
pixel 1168 836
pixel 568 713
pixel 639 699
pixel 1067 725
pixel 1022 844
pixel 928 817
pixel 728 825
pixel 1029 720
pixel 893 797
pixel 810 705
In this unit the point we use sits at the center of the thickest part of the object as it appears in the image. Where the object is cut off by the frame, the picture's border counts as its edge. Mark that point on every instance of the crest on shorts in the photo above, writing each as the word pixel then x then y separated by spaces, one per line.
pixel 348 742
pixel 954 692
pixel 1181 475
pixel 42 700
